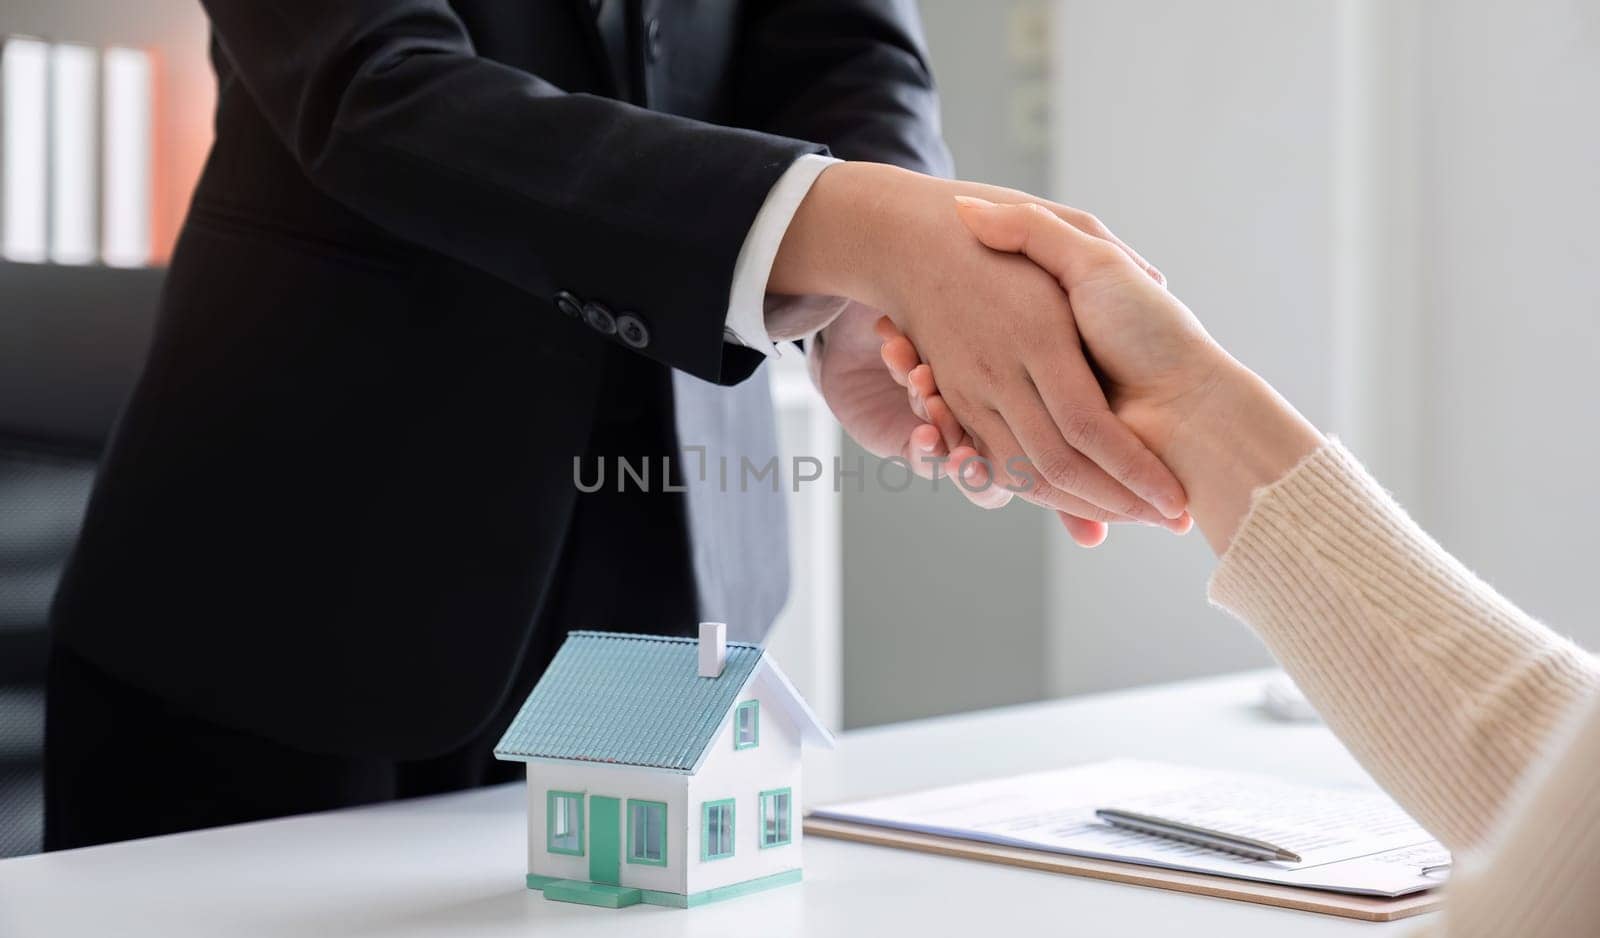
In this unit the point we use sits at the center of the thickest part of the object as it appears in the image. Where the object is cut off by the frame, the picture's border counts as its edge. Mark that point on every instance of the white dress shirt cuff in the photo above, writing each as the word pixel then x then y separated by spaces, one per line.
pixel 759 321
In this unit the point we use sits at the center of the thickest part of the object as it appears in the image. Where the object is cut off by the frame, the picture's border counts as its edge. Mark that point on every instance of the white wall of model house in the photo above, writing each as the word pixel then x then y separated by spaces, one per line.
pixel 743 774
pixel 725 772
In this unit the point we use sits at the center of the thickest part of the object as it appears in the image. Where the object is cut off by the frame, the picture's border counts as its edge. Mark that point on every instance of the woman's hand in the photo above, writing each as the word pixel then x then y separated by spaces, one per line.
pixel 1154 358
pixel 1222 430
pixel 1151 353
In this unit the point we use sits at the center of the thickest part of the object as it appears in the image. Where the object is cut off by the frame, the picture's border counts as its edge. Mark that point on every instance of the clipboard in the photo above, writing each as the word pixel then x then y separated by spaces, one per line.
pixel 1365 908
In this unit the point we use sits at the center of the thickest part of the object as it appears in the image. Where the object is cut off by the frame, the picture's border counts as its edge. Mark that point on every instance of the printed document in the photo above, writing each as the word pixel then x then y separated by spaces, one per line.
pixel 1349 840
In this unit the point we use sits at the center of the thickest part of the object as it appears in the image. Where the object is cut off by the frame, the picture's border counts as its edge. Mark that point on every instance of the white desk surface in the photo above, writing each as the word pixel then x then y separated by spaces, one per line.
pixel 453 864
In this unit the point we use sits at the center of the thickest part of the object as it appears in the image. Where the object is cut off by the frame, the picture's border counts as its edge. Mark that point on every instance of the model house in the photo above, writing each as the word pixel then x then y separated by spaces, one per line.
pixel 661 770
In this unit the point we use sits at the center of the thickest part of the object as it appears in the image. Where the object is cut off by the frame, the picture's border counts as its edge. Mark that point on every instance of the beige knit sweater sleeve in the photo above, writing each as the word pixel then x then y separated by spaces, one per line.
pixel 1481 722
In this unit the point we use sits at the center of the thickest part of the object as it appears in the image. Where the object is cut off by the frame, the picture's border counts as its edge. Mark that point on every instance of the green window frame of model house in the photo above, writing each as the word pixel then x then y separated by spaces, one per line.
pixel 716 829
pixel 647 832
pixel 747 725
pixel 563 832
pixel 777 811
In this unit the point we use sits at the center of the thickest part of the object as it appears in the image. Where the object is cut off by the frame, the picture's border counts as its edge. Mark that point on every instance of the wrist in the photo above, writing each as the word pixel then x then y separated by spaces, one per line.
pixel 834 245
pixel 1234 434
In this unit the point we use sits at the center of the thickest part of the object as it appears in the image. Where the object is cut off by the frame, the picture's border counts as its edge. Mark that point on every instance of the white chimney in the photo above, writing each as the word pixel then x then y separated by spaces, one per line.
pixel 713 648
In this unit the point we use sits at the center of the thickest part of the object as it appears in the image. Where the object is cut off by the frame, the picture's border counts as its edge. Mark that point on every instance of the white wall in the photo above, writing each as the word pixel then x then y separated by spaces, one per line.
pixel 1386 207
pixel 943 606
pixel 1512 268
pixel 1204 134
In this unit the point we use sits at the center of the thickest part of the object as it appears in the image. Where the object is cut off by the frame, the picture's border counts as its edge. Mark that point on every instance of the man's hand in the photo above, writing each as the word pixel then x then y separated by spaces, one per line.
pixel 873 408
pixel 942 430
pixel 998 329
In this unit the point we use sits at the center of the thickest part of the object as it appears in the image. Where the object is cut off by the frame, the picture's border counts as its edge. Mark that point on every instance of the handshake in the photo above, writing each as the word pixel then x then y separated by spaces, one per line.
pixel 1065 370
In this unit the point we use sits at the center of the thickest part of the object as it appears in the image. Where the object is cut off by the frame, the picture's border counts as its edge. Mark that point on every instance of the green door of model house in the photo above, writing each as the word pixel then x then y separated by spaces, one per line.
pixel 605 840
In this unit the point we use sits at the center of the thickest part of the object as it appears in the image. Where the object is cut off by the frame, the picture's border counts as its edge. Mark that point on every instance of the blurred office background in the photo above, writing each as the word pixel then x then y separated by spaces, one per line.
pixel 1384 206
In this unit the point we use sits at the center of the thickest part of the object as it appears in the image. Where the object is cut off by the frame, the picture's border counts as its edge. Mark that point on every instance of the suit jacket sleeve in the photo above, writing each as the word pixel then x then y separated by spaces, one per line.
pixel 388 109
pixel 850 74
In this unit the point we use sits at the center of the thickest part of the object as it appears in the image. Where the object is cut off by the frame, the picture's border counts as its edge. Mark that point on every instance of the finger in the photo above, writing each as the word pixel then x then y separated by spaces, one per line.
pixel 1084 419
pixel 886 329
pixel 940 414
pixel 932 405
pixel 921 446
pixel 914 396
pixel 1089 224
pixel 925 450
pixel 915 401
pixel 920 381
pixel 1064 466
pixel 899 356
pixel 1084 222
pixel 1083 532
pixel 1016 473
pixel 970 470
pixel 1069 254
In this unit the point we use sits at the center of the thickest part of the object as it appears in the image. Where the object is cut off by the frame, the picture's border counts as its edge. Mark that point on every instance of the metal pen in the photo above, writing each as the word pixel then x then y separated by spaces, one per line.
pixel 1198 836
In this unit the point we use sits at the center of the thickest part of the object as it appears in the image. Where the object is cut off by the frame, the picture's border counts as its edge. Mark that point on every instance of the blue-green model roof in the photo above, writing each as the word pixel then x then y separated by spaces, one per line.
pixel 629 700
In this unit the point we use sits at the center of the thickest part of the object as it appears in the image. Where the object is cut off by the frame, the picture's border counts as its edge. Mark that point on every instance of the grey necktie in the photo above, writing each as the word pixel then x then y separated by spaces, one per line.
pixel 737 527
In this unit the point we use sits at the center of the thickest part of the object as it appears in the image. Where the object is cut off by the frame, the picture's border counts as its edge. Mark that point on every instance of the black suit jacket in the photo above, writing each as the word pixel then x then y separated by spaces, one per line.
pixel 334 504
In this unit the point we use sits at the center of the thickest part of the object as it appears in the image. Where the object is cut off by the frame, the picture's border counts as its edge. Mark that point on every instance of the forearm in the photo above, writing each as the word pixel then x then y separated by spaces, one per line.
pixel 1538 880
pixel 1444 690
pixel 388 109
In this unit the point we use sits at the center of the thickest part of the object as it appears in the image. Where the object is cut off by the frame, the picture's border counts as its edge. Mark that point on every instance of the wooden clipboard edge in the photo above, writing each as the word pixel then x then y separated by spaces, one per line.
pixel 1365 908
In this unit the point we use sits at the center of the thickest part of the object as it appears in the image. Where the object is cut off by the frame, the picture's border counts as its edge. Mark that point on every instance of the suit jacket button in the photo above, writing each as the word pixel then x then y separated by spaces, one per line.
pixel 599 318
pixel 652 40
pixel 633 331
pixel 569 305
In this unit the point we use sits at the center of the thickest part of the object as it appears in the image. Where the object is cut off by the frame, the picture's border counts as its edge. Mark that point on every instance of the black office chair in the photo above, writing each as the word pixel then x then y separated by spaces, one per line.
pixel 72 341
